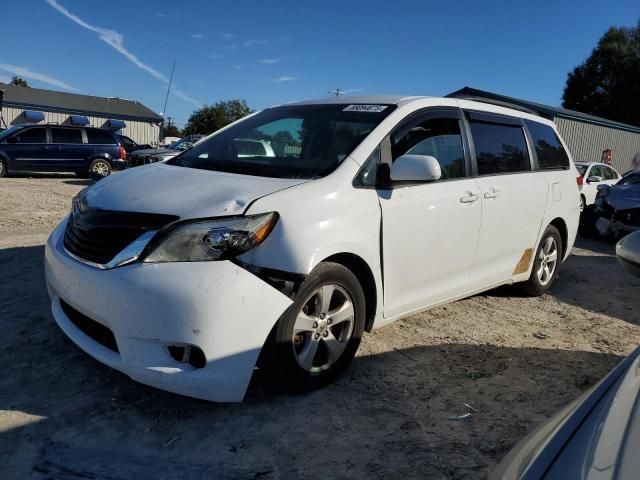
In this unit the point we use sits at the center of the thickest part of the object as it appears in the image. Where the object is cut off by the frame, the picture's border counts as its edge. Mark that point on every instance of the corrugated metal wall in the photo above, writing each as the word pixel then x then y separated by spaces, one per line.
pixel 140 132
pixel 587 142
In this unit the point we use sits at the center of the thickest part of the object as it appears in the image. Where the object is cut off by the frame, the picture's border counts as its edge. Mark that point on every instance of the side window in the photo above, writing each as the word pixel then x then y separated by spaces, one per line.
pixel 439 138
pixel 548 148
pixel 30 135
pixel 99 137
pixel 66 135
pixel 596 171
pixel 500 148
pixel 609 174
pixel 367 175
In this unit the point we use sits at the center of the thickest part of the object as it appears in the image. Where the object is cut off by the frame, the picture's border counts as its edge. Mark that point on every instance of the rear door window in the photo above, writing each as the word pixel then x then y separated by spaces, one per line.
pixel 99 137
pixel 549 149
pixel 500 148
pixel 596 171
pixel 66 135
pixel 609 174
pixel 30 135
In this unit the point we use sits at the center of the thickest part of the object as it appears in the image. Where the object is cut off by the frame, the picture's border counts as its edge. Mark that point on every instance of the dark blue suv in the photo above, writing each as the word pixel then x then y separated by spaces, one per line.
pixel 89 152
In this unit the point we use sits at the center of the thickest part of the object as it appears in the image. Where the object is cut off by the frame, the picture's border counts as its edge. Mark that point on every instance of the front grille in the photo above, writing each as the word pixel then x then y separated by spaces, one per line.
pixel 99 235
pixel 90 328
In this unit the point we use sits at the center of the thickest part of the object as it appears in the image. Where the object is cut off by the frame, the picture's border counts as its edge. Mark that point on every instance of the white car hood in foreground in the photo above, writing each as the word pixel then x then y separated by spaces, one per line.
pixel 185 192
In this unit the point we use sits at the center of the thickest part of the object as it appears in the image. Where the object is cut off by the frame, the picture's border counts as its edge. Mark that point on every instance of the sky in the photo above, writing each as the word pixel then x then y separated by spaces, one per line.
pixel 281 51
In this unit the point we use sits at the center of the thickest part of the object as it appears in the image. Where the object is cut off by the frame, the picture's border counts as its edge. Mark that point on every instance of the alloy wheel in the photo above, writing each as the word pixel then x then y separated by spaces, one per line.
pixel 323 328
pixel 548 260
pixel 100 168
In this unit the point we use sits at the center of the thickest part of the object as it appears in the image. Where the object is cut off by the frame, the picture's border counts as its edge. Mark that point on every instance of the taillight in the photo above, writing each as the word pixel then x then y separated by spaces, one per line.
pixel 579 180
pixel 122 153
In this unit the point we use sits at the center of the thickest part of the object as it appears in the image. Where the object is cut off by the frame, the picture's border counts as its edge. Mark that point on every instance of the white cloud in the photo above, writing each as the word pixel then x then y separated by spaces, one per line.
pixel 116 41
pixel 198 36
pixel 160 14
pixel 231 47
pixel 228 36
pixel 269 61
pixel 31 75
pixel 253 43
pixel 284 78
pixel 4 79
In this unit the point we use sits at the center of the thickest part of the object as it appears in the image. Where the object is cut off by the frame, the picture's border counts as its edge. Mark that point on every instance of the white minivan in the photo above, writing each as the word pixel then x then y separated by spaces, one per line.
pixel 187 274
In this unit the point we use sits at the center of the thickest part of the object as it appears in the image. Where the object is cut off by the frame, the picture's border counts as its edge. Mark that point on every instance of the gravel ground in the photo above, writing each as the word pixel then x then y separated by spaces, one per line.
pixel 63 415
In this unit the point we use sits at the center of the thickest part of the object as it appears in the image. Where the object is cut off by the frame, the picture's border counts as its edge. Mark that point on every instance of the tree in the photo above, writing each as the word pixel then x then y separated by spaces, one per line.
pixel 210 118
pixel 607 84
pixel 171 131
pixel 18 82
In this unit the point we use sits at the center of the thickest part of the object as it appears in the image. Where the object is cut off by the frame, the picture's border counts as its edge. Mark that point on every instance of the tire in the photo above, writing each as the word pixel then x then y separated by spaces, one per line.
pixel 583 203
pixel 545 270
pixel 99 169
pixel 3 168
pixel 328 337
pixel 588 219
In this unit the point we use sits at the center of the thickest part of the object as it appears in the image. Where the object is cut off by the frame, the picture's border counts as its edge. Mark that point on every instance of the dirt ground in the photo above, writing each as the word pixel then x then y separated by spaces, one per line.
pixel 65 416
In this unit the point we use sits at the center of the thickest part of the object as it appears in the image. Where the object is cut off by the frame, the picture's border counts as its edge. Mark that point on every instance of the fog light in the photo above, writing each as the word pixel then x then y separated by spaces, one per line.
pixel 190 354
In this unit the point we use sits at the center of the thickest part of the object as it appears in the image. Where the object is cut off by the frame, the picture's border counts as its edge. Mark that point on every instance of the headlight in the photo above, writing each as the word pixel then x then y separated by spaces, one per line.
pixel 218 239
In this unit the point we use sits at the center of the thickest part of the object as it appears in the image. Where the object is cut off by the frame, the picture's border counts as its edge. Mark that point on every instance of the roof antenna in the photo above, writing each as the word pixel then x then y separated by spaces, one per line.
pixel 337 92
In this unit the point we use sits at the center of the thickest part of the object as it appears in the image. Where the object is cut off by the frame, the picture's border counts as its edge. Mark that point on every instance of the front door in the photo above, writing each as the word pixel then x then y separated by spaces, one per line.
pixel 430 230
pixel 27 148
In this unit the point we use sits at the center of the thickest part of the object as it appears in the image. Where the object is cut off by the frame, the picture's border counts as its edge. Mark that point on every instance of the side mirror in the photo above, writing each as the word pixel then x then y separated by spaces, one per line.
pixel 415 168
pixel 594 179
pixel 628 253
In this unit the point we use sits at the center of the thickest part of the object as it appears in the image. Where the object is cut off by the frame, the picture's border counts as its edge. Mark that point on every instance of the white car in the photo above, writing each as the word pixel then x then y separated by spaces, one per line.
pixel 184 275
pixel 594 174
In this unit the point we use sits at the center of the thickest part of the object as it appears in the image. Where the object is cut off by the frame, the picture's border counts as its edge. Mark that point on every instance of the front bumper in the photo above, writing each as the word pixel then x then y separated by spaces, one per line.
pixel 216 306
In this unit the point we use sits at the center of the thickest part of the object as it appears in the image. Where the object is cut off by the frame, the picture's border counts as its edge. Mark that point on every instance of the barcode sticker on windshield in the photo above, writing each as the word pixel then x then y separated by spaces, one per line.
pixel 365 108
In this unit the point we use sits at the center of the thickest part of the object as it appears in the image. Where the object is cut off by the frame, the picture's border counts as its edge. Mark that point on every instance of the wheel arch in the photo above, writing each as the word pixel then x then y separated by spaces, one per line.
pixel 364 274
pixel 561 225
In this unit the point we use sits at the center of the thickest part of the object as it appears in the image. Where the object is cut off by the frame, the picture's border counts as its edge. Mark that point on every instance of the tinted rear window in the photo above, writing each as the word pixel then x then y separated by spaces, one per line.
pixel 500 148
pixel 549 150
pixel 66 135
pixel 99 137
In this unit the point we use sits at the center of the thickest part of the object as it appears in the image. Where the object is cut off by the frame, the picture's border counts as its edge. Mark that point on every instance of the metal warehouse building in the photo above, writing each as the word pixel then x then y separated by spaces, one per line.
pixel 589 138
pixel 25 105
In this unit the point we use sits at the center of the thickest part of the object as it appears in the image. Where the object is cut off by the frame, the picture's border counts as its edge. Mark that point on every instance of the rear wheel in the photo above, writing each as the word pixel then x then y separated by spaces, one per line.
pixel 99 169
pixel 319 334
pixel 3 168
pixel 583 203
pixel 545 264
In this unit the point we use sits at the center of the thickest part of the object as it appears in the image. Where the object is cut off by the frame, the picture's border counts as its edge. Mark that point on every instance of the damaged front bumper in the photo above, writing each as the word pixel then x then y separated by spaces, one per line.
pixel 154 310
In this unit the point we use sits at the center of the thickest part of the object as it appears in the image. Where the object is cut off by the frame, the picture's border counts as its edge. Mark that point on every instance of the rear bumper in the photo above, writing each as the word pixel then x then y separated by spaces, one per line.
pixel 216 306
pixel 119 164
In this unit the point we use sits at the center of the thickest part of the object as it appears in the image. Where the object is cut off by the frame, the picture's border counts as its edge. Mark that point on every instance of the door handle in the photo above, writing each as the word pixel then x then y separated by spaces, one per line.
pixel 468 197
pixel 492 193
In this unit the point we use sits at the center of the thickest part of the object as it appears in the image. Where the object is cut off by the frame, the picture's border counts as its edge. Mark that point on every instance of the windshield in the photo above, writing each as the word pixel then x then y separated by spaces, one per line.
pixel 632 178
pixel 582 169
pixel 307 141
pixel 181 144
pixel 5 133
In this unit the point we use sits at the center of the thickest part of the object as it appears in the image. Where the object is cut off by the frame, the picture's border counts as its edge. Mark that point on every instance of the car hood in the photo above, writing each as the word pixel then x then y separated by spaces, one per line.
pixel 154 151
pixel 624 197
pixel 185 192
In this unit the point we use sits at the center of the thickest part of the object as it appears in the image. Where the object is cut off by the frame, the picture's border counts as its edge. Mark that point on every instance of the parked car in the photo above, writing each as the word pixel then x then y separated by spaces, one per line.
pixel 131 146
pixel 594 175
pixel 56 148
pixel 376 208
pixel 628 253
pixel 616 211
pixel 596 436
pixel 154 155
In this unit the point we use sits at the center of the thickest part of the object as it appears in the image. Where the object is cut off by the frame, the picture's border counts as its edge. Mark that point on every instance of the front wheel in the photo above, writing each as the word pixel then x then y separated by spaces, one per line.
pixel 317 337
pixel 3 169
pixel 545 264
pixel 99 169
